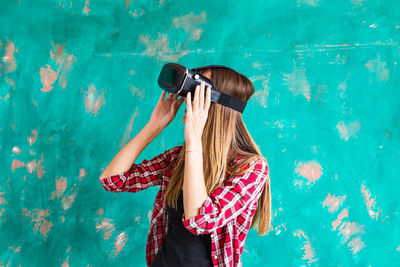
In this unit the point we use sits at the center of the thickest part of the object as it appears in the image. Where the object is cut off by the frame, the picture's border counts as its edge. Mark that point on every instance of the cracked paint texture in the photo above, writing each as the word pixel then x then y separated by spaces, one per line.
pixel 78 80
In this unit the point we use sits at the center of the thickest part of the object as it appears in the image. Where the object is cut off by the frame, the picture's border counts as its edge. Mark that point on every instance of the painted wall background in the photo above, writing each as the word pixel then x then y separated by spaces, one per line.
pixel 79 80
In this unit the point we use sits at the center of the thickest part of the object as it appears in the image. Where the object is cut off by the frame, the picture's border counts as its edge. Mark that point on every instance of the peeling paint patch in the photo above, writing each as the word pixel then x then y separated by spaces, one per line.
pixel 310 170
pixel 9 58
pixel 297 82
pixel 190 23
pixel 160 48
pixel 262 95
pixel 93 100
pixel 86 9
pixel 308 2
pixel 107 227
pixel 16 164
pixel 120 242
pixel 38 216
pixel 61 186
pixel 137 92
pixel 348 130
pixel 63 61
pixel 309 251
pixel 357 3
pixel 333 202
pixel 3 201
pixel 82 174
pixel 373 211
pixel 350 231
pixel 47 77
pixel 356 244
pixel 32 138
pixel 67 200
pixel 378 67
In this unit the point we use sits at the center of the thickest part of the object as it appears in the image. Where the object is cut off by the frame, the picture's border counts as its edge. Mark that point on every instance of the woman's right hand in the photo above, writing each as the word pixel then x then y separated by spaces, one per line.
pixel 165 110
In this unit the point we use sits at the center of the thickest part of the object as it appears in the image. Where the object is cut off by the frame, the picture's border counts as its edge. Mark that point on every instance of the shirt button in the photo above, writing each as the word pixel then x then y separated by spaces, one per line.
pixel 215 257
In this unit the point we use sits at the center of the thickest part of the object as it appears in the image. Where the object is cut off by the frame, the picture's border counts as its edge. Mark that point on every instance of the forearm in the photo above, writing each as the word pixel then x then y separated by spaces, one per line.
pixel 129 153
pixel 194 189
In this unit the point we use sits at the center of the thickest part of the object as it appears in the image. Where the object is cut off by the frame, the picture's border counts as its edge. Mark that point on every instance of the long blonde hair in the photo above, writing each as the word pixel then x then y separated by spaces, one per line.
pixel 223 132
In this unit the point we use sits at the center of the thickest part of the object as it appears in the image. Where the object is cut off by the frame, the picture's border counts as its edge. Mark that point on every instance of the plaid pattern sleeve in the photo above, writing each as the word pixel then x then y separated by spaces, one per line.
pixel 230 200
pixel 141 176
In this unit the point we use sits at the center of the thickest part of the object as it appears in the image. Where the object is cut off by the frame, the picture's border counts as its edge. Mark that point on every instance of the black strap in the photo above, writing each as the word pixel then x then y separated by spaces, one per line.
pixel 209 67
pixel 227 100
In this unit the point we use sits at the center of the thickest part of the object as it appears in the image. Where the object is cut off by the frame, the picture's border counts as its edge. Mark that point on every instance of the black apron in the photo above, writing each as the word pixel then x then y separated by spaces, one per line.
pixel 180 247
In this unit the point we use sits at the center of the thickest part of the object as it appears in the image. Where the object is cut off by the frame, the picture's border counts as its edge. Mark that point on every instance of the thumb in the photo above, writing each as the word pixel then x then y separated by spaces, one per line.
pixel 162 96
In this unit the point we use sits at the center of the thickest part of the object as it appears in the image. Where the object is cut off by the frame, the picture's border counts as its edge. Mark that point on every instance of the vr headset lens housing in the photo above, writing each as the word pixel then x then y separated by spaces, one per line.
pixel 171 77
pixel 168 78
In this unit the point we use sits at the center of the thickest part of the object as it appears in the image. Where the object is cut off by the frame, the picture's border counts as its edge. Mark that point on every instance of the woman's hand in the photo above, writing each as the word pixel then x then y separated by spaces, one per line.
pixel 165 110
pixel 197 114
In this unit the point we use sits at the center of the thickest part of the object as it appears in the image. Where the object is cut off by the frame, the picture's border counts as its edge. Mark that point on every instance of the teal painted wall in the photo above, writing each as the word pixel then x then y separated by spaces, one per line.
pixel 79 80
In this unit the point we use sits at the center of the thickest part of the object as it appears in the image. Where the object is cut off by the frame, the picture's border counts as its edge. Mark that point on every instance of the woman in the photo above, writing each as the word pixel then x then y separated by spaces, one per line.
pixel 213 188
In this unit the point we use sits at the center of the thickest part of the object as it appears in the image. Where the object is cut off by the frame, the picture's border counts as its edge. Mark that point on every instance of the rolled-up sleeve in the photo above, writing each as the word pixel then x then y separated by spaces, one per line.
pixel 228 201
pixel 143 175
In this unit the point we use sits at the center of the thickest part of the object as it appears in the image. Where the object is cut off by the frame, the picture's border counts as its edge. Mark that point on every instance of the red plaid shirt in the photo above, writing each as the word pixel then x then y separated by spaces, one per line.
pixel 226 214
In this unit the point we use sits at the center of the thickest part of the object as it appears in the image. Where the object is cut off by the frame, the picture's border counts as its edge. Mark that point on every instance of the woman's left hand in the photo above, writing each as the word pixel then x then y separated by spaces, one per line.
pixel 197 114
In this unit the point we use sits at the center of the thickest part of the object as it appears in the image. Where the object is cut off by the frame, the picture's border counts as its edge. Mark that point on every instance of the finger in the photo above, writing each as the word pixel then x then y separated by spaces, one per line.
pixel 201 94
pixel 208 98
pixel 196 99
pixel 188 104
pixel 180 101
pixel 173 97
pixel 162 95
pixel 177 103
pixel 173 105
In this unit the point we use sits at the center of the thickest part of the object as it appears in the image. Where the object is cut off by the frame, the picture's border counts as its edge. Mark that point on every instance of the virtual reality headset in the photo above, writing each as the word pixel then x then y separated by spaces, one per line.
pixel 177 79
